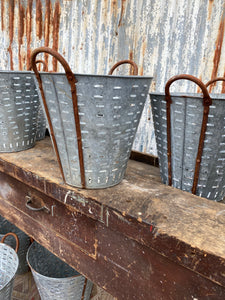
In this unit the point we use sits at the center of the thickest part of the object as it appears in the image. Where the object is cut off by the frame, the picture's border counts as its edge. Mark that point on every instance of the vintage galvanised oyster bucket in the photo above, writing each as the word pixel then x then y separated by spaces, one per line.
pixel 19 103
pixel 190 137
pixel 92 121
pixel 8 266
pixel 24 243
pixel 54 278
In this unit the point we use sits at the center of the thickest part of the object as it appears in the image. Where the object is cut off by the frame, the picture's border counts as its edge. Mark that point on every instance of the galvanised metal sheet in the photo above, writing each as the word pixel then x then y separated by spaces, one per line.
pixel 164 38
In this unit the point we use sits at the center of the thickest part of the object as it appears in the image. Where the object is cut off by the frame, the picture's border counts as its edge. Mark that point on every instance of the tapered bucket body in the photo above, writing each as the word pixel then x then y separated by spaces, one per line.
pixel 9 263
pixel 19 104
pixel 55 279
pixel 24 243
pixel 110 108
pixel 186 121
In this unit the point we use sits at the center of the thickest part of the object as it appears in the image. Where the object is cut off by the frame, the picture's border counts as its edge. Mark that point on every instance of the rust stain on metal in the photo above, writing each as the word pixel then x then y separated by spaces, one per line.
pixel 28 30
pixel 11 30
pixel 3 14
pixel 123 5
pixel 219 43
pixel 56 23
pixel 198 88
pixel 21 32
pixel 210 8
pixel 144 46
pixel 223 85
pixel 114 7
pixel 39 19
pixel 47 27
pixel 131 57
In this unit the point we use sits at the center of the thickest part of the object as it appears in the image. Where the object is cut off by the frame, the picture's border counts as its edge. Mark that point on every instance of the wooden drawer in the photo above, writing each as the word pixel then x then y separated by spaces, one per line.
pixel 50 213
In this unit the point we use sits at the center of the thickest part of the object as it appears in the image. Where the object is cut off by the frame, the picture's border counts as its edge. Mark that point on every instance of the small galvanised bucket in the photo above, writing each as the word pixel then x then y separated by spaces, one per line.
pixel 19 104
pixel 190 138
pixel 8 266
pixel 24 243
pixel 54 278
pixel 92 121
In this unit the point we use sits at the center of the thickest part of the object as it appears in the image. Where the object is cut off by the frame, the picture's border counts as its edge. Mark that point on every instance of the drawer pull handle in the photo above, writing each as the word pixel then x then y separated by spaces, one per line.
pixel 29 201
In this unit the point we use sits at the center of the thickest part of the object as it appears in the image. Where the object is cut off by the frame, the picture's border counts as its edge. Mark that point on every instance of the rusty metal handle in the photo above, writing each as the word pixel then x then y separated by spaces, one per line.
pixel 127 61
pixel 72 82
pixel 207 101
pixel 42 208
pixel 45 67
pixel 214 80
pixel 16 238
pixel 39 61
pixel 206 98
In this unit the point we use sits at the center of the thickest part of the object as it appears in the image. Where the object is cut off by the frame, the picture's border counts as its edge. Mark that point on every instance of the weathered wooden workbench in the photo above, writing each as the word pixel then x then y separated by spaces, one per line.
pixel 138 240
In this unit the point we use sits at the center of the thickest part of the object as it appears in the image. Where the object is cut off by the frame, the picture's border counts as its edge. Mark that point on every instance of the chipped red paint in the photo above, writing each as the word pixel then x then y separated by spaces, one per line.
pixel 47 27
pixel 11 30
pixel 218 48
pixel 3 13
pixel 21 32
pixel 56 22
pixel 39 19
pixel 28 30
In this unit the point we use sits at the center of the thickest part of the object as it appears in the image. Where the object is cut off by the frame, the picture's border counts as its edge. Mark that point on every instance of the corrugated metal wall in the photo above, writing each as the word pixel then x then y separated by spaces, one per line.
pixel 164 37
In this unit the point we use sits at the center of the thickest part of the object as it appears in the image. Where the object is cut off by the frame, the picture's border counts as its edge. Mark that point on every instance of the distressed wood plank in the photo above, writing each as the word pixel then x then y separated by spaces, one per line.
pixel 185 229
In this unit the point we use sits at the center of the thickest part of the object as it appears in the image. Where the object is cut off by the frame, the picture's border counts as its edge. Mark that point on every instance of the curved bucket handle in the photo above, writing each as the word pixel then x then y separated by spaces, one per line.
pixel 207 101
pixel 16 238
pixel 45 67
pixel 126 61
pixel 72 82
pixel 40 61
pixel 214 80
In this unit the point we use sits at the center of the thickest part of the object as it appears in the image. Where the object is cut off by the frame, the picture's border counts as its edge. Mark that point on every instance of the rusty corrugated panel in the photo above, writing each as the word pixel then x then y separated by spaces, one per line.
pixel 164 38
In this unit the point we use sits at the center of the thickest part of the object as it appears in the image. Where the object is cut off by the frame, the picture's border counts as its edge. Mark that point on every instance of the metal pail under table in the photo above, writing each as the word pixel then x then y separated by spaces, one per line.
pixel 9 263
pixel 24 243
pixel 55 279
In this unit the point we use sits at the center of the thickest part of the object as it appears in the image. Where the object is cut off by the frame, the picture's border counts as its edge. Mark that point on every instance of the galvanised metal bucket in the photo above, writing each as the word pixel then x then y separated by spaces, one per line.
pixel 190 137
pixel 93 127
pixel 55 279
pixel 24 243
pixel 8 266
pixel 19 104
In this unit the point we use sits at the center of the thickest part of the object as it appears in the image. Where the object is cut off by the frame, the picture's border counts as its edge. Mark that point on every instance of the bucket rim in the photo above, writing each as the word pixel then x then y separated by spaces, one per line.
pixel 16 72
pixel 98 75
pixel 217 96
pixel 48 277
pixel 53 278
pixel 17 262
